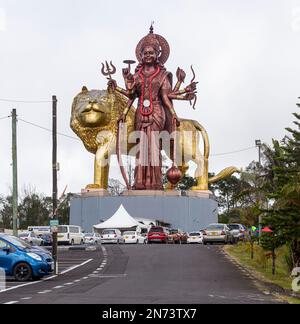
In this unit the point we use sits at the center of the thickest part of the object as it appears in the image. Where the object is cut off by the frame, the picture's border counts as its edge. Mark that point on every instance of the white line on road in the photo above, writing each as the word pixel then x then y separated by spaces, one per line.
pixel 46 279
pixel 11 303
pixel 77 266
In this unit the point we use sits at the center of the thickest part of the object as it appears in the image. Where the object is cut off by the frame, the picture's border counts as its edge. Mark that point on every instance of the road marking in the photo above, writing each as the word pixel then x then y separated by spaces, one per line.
pixel 11 303
pixel 26 298
pixel 45 292
pixel 109 276
pixel 69 284
pixel 76 267
pixel 58 287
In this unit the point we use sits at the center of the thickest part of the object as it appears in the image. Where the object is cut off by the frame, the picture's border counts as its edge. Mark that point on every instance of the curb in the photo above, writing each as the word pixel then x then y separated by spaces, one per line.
pixel 274 288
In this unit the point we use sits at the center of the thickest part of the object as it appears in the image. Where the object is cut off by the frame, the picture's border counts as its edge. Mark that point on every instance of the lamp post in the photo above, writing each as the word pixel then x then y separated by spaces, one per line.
pixel 258 144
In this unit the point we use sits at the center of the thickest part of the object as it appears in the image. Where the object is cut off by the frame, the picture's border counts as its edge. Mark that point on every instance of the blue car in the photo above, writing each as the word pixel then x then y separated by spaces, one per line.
pixel 23 262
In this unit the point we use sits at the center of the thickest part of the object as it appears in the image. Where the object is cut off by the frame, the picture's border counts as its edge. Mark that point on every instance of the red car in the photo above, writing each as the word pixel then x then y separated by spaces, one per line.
pixel 158 234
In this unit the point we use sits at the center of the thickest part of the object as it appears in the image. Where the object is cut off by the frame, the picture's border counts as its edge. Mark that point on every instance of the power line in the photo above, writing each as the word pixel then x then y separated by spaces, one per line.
pixel 5 117
pixel 77 139
pixel 235 152
pixel 47 129
pixel 26 101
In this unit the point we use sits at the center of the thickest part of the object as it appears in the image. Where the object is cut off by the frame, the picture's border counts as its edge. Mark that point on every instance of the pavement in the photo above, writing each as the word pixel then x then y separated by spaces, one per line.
pixel 142 274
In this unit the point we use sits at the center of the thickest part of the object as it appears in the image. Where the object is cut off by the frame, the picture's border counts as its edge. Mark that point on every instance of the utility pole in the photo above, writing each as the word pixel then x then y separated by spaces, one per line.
pixel 54 178
pixel 258 144
pixel 15 172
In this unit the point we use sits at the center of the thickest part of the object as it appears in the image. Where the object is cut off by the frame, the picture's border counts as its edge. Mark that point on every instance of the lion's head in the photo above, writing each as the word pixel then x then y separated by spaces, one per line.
pixel 93 112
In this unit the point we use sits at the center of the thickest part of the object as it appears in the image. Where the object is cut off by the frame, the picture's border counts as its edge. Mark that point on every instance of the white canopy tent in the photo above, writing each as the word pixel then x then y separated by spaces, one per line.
pixel 121 220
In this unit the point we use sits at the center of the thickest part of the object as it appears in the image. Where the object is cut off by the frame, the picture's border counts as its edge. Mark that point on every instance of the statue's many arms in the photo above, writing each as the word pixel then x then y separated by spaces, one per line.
pixel 95 116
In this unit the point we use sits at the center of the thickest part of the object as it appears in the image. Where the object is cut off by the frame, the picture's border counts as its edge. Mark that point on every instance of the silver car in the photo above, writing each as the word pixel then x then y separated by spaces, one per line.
pixel 112 236
pixel 238 231
pixel 217 233
pixel 31 238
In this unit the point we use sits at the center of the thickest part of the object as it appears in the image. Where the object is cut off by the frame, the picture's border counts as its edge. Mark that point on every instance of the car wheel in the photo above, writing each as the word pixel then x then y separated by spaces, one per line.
pixel 22 272
pixel 72 242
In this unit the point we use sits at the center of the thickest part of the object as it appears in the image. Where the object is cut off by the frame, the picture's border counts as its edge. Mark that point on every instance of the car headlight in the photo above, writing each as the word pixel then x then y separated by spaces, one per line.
pixel 34 256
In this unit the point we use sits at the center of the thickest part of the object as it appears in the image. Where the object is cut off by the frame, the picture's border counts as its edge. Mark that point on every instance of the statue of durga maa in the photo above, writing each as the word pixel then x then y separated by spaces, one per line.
pixel 152 86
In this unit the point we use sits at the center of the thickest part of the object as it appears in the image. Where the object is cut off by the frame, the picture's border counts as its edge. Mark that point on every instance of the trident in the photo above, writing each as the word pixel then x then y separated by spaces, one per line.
pixel 108 70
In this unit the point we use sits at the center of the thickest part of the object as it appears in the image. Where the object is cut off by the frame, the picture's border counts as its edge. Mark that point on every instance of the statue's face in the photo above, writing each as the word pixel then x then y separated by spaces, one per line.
pixel 149 55
pixel 92 108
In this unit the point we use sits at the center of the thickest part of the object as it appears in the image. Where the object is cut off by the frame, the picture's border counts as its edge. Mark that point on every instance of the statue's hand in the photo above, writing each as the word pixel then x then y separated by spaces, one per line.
pixel 127 75
pixel 122 119
pixel 181 75
pixel 192 87
pixel 190 96
pixel 176 120
pixel 112 84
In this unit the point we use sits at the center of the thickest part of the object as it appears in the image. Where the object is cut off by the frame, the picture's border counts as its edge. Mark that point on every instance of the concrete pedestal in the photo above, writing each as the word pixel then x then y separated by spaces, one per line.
pixel 190 211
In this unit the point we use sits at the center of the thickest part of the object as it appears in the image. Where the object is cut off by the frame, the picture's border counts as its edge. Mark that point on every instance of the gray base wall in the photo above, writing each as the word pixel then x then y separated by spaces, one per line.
pixel 186 213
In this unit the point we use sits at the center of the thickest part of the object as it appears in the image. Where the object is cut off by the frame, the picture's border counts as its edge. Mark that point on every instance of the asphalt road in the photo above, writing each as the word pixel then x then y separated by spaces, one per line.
pixel 144 274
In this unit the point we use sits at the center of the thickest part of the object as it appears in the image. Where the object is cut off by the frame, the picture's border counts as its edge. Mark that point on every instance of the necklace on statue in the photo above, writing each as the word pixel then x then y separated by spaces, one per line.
pixel 146 105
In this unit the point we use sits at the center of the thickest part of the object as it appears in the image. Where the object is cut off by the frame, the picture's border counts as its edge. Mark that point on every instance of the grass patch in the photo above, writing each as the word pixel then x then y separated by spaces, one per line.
pixel 262 264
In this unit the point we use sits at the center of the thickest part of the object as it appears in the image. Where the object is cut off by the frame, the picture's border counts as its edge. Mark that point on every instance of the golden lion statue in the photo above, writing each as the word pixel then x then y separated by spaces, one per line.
pixel 95 117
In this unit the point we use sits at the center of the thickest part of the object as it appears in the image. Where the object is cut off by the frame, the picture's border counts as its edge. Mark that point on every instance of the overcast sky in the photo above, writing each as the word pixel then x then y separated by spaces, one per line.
pixel 246 55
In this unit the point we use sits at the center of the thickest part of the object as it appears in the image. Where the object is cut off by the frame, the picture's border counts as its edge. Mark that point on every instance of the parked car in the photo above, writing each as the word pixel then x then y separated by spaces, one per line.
pixel 131 237
pixel 31 238
pixel 183 237
pixel 92 238
pixel 70 235
pixel 195 238
pixel 218 233
pixel 238 231
pixel 158 234
pixel 47 239
pixel 174 236
pixel 23 262
pixel 113 236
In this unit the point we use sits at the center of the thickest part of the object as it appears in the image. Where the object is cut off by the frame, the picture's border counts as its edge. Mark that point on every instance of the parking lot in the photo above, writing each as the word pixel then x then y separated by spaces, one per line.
pixel 68 261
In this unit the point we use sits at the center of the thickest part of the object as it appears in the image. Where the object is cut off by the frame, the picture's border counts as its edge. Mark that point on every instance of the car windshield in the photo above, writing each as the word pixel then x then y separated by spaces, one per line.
pixel 194 234
pixel 88 235
pixel 62 229
pixel 129 233
pixel 17 242
pixel 157 230
pixel 234 227
pixel 174 232
pixel 109 232
pixel 215 228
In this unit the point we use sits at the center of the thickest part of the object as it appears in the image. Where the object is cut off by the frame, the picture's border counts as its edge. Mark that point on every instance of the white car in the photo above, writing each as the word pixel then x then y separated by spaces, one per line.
pixel 195 238
pixel 31 238
pixel 134 238
pixel 113 236
pixel 92 238
pixel 70 235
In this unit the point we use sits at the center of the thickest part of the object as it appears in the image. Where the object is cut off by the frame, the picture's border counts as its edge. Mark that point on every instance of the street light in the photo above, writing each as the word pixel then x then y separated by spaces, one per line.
pixel 258 144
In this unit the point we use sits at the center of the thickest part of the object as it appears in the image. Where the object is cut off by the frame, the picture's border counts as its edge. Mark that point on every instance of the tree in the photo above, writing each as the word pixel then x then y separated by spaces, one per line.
pixel 6 212
pixel 284 216
pixel 115 187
